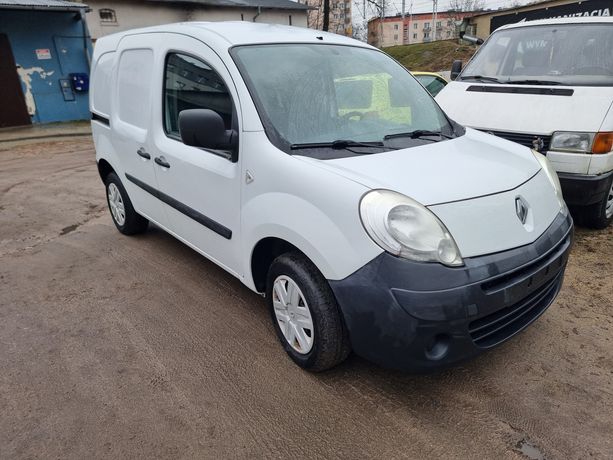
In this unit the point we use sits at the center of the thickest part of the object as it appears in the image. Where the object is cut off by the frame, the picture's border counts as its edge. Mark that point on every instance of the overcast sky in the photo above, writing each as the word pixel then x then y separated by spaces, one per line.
pixel 417 6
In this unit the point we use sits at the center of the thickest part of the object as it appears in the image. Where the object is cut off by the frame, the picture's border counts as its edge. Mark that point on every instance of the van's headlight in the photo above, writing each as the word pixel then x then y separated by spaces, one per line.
pixel 405 228
pixel 563 141
pixel 552 175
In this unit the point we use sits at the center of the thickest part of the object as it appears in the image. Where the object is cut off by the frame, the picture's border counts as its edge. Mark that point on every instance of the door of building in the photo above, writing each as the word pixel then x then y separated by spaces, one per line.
pixel 13 110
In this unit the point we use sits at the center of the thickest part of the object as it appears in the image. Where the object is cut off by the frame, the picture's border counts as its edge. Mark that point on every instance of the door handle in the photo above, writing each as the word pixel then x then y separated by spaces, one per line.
pixel 162 162
pixel 141 152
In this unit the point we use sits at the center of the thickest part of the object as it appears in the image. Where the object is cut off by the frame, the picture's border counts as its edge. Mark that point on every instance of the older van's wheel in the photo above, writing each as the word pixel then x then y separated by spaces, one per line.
pixel 600 215
pixel 126 219
pixel 305 313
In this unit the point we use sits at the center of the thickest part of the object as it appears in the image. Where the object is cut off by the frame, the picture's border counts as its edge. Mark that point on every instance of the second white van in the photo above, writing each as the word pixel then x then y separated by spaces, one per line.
pixel 548 85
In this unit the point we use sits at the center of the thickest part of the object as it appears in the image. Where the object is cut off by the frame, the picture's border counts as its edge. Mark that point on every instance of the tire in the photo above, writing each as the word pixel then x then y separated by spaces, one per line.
pixel 132 222
pixel 330 342
pixel 599 215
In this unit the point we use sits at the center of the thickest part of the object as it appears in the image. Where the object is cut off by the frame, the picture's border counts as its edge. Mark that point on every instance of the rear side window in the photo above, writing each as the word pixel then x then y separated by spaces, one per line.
pixel 101 85
pixel 191 84
pixel 134 86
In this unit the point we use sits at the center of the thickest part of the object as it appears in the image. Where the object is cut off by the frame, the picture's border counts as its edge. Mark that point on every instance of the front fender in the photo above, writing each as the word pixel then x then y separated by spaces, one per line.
pixel 331 237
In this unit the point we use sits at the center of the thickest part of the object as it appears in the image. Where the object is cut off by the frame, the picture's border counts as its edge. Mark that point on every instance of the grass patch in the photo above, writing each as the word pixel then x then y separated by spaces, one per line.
pixel 431 57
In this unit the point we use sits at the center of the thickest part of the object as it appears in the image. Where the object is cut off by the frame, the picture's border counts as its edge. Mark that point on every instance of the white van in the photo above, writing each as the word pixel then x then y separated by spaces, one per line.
pixel 391 231
pixel 548 84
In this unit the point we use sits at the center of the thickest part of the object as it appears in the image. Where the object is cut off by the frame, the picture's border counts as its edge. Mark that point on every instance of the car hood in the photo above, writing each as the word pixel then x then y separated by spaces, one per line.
pixel 466 167
pixel 526 113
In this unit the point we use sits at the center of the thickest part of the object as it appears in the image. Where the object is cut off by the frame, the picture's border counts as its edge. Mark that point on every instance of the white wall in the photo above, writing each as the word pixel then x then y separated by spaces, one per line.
pixel 132 14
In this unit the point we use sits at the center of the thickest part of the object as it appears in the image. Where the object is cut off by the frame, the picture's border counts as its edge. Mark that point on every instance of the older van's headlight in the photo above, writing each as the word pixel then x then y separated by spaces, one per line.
pixel 552 175
pixel 405 228
pixel 564 141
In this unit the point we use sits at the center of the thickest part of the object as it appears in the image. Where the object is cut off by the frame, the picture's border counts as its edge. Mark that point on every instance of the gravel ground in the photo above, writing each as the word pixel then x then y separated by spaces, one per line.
pixel 114 346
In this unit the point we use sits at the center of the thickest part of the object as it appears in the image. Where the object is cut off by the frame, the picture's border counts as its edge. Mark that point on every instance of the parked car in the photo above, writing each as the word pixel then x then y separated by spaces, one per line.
pixel 399 234
pixel 548 84
pixel 433 82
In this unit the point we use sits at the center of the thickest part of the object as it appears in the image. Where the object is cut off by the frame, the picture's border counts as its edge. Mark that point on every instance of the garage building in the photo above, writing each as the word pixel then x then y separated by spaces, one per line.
pixel 44 62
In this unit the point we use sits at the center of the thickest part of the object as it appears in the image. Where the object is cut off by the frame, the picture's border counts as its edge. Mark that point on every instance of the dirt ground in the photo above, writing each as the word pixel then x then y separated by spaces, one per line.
pixel 114 346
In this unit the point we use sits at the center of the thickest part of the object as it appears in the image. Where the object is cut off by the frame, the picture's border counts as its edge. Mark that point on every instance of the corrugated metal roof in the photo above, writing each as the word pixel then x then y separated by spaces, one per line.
pixel 43 5
pixel 269 4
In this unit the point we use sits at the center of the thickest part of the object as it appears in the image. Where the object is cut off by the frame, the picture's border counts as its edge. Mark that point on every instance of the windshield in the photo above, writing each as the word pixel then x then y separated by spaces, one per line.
pixel 567 54
pixel 310 93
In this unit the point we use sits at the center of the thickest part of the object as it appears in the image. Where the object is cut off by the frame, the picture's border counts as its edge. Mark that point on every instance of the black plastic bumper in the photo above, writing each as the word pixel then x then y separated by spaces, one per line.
pixel 583 190
pixel 425 316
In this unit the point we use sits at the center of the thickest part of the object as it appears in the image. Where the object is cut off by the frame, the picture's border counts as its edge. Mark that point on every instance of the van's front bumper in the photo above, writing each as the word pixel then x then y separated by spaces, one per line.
pixel 424 316
pixel 583 189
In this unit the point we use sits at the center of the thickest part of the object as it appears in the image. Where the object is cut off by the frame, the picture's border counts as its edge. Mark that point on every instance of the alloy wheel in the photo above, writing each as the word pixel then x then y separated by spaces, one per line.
pixel 116 204
pixel 293 314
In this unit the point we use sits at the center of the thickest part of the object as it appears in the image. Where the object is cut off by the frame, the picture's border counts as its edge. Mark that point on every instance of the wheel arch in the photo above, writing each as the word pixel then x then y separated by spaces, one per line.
pixel 104 169
pixel 262 256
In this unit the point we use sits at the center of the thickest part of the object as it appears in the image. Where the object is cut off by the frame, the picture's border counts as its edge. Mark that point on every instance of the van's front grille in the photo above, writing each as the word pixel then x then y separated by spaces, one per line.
pixel 497 327
pixel 528 140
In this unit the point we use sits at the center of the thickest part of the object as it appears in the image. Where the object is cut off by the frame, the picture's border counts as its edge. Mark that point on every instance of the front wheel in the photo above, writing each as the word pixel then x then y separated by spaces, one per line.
pixel 125 218
pixel 599 215
pixel 305 313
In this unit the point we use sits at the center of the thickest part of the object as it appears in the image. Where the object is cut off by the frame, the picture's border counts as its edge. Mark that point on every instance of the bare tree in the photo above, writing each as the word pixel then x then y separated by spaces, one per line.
pixel 458 8
pixel 466 5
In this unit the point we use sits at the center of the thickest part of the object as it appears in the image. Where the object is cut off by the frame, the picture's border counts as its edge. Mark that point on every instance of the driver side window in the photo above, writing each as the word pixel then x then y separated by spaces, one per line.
pixel 191 84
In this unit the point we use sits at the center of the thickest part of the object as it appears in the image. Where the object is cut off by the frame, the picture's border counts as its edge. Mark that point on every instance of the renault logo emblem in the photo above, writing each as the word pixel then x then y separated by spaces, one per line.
pixel 521 208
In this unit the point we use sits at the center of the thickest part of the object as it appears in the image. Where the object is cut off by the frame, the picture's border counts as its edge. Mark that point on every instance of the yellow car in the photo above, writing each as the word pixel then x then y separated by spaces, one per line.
pixel 433 82
pixel 369 96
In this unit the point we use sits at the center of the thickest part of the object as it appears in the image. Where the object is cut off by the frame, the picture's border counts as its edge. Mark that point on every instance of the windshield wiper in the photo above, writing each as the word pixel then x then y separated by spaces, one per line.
pixel 339 144
pixel 479 77
pixel 417 134
pixel 533 82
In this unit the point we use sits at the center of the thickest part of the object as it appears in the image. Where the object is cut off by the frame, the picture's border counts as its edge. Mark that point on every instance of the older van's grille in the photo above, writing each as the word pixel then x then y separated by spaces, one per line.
pixel 524 139
pixel 499 326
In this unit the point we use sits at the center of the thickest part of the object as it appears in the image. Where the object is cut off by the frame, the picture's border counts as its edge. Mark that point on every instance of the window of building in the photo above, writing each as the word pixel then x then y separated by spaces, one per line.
pixel 290 19
pixel 107 16
pixel 415 36
pixel 426 34
pixel 426 25
pixel 439 24
pixel 414 25
pixel 191 84
pixel 395 26
pixel 336 16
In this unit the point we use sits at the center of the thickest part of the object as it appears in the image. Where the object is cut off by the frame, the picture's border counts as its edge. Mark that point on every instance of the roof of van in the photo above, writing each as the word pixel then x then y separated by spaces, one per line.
pixel 225 34
pixel 553 21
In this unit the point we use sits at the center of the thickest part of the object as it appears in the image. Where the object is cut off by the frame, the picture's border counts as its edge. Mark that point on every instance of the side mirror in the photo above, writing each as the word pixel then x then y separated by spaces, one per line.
pixel 456 68
pixel 205 128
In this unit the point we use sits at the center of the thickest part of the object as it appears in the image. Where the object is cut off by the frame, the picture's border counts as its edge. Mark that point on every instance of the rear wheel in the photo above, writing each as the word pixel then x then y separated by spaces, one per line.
pixel 599 215
pixel 305 313
pixel 125 218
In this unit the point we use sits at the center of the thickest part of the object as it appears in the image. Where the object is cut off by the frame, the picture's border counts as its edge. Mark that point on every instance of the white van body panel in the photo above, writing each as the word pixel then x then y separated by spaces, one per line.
pixel 529 113
pixel 489 223
pixel 306 205
pixel 459 166
pixel 585 111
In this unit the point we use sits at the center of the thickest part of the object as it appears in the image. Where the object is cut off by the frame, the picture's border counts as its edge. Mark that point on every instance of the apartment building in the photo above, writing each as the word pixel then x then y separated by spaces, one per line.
pixel 340 16
pixel 414 28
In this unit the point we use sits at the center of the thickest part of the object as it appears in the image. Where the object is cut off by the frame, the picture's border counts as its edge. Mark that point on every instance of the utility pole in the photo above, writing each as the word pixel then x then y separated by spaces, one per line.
pixel 326 24
pixel 434 14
